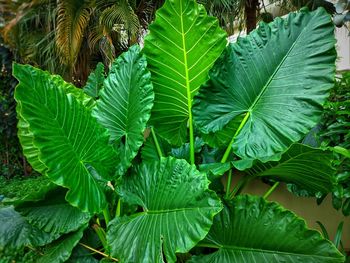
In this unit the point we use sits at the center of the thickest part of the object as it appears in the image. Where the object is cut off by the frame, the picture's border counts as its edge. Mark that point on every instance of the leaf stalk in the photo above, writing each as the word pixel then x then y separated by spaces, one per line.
pixel 229 147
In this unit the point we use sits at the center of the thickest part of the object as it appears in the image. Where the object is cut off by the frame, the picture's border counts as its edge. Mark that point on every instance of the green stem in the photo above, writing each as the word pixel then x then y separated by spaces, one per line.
pixel 228 184
pixel 119 208
pixel 207 245
pixel 101 235
pixel 98 252
pixel 106 215
pixel 229 147
pixel 240 185
pixel 191 141
pixel 267 194
pixel 159 150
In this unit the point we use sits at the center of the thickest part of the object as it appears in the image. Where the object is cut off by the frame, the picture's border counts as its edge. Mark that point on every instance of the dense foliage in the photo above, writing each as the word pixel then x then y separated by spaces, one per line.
pixel 132 164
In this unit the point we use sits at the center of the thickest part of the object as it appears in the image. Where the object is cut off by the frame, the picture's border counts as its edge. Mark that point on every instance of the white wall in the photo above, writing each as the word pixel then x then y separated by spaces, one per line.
pixel 343 48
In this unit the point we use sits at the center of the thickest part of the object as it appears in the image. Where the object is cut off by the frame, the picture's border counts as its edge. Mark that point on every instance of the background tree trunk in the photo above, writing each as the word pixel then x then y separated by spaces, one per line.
pixel 250 9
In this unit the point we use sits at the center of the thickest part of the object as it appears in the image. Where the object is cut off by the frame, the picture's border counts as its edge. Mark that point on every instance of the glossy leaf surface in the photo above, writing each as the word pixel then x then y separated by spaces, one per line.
pixel 253 230
pixel 53 214
pixel 125 104
pixel 95 81
pixel 308 168
pixel 280 74
pixel 60 250
pixel 16 232
pixel 69 141
pixel 178 212
pixel 181 47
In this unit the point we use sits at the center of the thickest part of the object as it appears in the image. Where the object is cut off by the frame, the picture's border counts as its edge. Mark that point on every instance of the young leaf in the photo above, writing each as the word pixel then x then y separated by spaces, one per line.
pixel 250 229
pixel 95 81
pixel 125 104
pixel 308 168
pixel 178 212
pixel 280 75
pixel 69 141
pixel 181 47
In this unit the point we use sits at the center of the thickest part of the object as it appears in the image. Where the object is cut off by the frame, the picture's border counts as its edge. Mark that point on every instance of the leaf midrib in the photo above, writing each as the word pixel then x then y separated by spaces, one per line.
pixel 251 108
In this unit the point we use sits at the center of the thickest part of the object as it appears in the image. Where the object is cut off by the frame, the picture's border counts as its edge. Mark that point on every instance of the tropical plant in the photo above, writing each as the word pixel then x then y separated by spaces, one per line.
pixel 212 109
pixel 65 37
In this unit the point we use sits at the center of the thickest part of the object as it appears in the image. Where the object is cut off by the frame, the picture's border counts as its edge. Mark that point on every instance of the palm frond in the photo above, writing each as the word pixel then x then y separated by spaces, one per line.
pixel 72 20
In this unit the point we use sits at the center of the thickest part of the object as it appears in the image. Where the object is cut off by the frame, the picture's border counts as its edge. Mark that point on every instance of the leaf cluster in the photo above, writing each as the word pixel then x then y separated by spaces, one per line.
pixel 133 164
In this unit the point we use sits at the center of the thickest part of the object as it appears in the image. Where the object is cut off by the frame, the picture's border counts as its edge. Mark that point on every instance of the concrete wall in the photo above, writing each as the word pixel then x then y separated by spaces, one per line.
pixel 343 48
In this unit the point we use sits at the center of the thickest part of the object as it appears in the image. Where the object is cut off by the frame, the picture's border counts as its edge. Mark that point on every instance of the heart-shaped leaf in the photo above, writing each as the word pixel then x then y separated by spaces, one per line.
pixel 181 47
pixel 125 104
pixel 70 144
pixel 178 212
pixel 278 77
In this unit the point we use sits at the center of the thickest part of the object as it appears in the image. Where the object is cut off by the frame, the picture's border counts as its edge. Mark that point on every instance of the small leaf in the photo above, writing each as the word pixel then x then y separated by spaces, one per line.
pixel 324 230
pixel 95 81
pixel 346 207
pixel 337 238
pixel 177 212
pixel 341 151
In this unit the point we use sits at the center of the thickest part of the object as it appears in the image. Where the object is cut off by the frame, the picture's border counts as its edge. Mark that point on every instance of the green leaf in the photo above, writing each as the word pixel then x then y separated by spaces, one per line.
pixel 254 230
pixel 16 232
pixel 178 212
pixel 125 104
pixel 338 235
pixel 215 170
pixel 53 214
pixel 308 168
pixel 60 250
pixel 181 47
pixel 95 81
pixel 280 75
pixel 183 152
pixel 26 139
pixel 149 151
pixel 69 141
pixel 342 151
pixel 223 137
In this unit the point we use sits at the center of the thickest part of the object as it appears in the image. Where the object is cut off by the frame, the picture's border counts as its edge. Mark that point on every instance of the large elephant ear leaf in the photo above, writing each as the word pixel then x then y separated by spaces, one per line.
pixel 178 212
pixel 309 168
pixel 251 229
pixel 71 146
pixel 125 104
pixel 278 77
pixel 181 47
